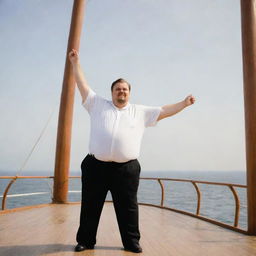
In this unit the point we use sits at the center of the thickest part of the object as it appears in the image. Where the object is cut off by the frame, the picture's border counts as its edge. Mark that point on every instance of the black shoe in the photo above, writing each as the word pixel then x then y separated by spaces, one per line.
pixel 80 247
pixel 136 249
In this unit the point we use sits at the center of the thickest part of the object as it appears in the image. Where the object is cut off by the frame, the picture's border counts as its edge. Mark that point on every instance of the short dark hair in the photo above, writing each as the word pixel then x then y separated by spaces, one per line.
pixel 120 80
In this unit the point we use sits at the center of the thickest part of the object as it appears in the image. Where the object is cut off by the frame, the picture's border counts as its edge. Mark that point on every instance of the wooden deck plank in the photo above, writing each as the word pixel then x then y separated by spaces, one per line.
pixel 51 230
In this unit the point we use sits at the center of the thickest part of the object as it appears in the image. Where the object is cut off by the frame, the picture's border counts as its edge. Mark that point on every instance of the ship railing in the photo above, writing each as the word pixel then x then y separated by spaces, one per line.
pixel 162 201
pixel 197 214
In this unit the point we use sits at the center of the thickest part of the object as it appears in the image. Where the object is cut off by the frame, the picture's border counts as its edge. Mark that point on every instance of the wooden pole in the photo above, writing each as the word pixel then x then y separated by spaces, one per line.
pixel 248 21
pixel 62 157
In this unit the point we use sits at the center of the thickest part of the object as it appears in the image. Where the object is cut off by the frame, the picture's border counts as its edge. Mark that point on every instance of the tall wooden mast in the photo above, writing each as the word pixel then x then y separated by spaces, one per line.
pixel 248 18
pixel 62 157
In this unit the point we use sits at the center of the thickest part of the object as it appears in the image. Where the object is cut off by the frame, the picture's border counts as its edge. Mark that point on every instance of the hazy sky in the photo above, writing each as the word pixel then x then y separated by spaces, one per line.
pixel 166 49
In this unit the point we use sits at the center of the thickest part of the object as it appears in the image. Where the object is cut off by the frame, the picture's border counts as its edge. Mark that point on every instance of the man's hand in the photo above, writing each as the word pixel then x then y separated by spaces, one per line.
pixel 73 56
pixel 189 100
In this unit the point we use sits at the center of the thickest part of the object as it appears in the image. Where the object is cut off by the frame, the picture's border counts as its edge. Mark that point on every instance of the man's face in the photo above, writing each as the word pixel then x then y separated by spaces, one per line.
pixel 120 93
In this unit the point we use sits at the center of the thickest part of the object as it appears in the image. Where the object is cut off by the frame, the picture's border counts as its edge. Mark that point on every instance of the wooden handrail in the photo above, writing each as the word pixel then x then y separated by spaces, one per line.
pixel 14 178
pixel 194 182
pixel 6 192
pixel 231 187
pixel 197 181
pixel 237 213
pixel 198 197
pixel 162 191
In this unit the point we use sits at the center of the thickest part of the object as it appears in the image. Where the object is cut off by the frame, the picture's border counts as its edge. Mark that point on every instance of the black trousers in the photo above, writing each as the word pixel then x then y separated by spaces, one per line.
pixel 122 180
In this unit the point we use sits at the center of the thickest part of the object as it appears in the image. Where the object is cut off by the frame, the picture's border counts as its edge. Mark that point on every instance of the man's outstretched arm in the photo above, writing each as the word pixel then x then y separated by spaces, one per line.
pixel 78 73
pixel 172 109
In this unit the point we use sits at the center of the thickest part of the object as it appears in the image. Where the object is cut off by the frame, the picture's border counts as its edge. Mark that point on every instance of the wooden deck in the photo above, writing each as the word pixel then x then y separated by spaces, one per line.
pixel 51 230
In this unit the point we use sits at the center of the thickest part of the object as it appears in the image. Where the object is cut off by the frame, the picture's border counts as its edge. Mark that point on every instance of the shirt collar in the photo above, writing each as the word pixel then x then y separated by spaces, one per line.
pixel 125 107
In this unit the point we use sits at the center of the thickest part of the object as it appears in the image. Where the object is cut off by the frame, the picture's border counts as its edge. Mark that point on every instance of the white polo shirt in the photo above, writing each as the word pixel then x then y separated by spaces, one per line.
pixel 115 133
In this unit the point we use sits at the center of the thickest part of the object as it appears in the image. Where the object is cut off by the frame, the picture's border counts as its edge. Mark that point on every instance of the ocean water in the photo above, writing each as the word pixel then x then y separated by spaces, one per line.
pixel 217 202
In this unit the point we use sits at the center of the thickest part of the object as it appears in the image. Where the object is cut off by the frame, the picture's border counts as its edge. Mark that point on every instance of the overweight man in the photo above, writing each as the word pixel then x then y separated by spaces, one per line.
pixel 117 127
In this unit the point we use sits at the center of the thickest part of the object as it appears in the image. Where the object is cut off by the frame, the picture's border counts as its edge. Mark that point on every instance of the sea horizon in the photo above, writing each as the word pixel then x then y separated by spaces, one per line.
pixel 231 176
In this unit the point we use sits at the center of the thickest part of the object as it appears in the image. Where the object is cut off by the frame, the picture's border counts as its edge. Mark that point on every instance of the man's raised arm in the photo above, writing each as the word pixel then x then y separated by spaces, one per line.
pixel 78 73
pixel 172 109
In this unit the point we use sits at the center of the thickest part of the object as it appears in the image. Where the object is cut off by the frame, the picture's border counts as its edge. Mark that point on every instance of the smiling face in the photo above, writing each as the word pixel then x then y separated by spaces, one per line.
pixel 120 94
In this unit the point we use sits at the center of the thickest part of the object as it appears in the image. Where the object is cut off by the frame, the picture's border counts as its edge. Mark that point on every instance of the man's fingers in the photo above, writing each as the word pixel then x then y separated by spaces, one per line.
pixel 190 99
pixel 73 54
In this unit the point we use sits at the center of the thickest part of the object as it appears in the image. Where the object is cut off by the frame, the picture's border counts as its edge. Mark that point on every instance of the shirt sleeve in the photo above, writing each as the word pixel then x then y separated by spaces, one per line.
pixel 150 115
pixel 91 101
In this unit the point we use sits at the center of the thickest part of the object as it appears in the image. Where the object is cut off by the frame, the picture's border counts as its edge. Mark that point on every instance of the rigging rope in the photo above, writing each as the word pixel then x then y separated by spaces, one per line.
pixel 33 148
pixel 37 141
